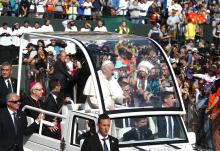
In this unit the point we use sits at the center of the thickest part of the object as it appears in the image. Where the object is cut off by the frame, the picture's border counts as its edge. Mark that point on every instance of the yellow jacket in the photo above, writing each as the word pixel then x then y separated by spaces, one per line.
pixel 190 31
pixel 124 30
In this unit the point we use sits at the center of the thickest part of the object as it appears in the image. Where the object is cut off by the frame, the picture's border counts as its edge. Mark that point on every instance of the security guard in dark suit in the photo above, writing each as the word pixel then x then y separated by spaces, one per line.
pixel 7 83
pixel 13 125
pixel 101 141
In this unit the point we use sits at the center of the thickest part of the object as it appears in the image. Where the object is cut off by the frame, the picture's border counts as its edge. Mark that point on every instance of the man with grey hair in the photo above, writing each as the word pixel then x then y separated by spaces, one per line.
pixel 112 92
pixel 13 125
pixel 7 83
pixel 34 99
pixel 61 71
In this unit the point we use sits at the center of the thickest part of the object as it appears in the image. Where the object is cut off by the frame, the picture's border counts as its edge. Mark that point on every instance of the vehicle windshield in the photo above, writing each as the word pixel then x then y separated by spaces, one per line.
pixel 140 77
pixel 142 73
pixel 149 130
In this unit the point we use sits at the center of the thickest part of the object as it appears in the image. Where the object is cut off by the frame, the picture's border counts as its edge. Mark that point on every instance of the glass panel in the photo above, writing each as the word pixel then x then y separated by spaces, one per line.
pixel 150 129
pixel 141 75
pixel 141 71
pixel 83 129
pixel 42 62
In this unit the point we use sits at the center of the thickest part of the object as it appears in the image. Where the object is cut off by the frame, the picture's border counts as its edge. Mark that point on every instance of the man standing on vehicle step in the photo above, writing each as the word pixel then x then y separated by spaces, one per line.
pixel 101 141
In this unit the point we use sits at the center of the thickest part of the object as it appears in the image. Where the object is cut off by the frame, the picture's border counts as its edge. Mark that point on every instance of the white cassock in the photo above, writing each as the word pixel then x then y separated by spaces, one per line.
pixel 111 90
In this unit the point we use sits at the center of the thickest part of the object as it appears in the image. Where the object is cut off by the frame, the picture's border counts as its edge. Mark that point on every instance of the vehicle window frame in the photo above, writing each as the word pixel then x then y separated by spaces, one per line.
pixel 133 143
pixel 76 128
pixel 159 50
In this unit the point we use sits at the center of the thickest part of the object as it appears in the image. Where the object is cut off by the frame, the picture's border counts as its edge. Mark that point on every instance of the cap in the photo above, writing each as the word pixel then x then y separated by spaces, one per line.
pixel 172 60
pixel 119 64
pixel 144 69
pixel 31 85
pixel 145 64
pixel 195 50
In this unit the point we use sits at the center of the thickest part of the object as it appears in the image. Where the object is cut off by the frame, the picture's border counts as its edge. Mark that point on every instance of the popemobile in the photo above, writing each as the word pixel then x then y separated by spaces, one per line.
pixel 141 95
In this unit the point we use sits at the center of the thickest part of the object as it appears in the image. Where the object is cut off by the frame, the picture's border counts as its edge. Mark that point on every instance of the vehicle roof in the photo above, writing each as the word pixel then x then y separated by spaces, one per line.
pixel 88 36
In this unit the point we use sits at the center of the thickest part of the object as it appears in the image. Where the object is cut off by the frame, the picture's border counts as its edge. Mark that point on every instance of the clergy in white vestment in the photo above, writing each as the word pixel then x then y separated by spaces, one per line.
pixel 112 92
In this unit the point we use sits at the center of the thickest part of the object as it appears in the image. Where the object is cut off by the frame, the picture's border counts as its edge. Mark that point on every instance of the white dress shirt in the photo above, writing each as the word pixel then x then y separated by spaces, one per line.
pixel 106 140
pixel 15 37
pixel 6 82
pixel 26 29
pixel 55 97
pixel 101 29
pixel 85 29
pixel 167 134
pixel 5 40
pixel 48 28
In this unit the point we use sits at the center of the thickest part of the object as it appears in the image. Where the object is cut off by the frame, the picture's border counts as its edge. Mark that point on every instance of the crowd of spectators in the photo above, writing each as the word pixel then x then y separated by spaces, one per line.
pixel 139 11
pixel 195 61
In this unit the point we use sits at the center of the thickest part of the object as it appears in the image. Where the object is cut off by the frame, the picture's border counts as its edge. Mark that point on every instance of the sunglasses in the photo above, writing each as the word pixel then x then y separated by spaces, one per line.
pixel 15 102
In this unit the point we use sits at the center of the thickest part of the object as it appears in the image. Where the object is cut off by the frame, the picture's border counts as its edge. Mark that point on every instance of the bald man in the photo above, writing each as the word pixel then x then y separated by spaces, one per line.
pixel 111 90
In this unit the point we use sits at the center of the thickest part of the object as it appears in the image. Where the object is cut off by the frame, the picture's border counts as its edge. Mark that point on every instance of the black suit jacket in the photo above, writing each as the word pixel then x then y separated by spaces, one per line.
pixel 31 102
pixel 53 105
pixel 133 134
pixel 93 144
pixel 8 138
pixel 162 127
pixel 4 90
pixel 60 72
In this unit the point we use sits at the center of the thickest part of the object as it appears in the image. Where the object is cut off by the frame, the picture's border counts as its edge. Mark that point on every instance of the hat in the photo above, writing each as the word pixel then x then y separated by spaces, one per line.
pixel 195 50
pixel 31 85
pixel 144 69
pixel 172 60
pixel 51 49
pixel 174 10
pixel 119 64
pixel 169 89
pixel 158 24
pixel 145 64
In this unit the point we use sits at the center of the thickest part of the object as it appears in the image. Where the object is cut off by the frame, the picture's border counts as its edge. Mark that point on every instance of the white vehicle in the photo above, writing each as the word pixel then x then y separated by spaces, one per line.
pixel 129 53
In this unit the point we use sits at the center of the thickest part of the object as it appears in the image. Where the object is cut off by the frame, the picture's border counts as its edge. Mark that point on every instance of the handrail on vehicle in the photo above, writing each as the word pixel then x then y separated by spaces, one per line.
pixel 48 123
pixel 43 111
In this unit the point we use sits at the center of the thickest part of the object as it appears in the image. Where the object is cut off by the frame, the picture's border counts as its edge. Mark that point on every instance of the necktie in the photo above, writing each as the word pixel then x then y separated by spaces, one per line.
pixel 10 89
pixel 105 147
pixel 138 134
pixel 170 132
pixel 15 122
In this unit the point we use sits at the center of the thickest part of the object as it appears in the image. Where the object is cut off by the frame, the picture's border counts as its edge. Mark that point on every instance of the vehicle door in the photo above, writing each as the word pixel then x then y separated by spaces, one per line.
pixel 78 125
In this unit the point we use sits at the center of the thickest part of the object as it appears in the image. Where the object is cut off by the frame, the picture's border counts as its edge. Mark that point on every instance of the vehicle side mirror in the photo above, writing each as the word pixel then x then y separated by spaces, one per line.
pixel 192 138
